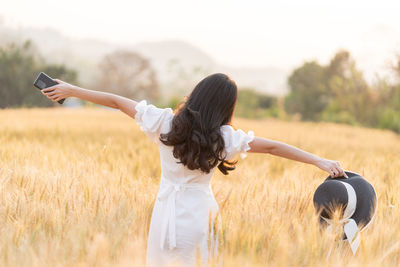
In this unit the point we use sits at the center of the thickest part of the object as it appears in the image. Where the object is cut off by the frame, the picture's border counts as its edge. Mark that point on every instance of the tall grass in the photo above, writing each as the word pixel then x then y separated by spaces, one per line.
pixel 78 187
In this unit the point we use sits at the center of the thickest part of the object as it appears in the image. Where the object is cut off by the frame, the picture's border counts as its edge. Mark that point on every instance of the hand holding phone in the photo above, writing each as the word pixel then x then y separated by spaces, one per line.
pixel 44 81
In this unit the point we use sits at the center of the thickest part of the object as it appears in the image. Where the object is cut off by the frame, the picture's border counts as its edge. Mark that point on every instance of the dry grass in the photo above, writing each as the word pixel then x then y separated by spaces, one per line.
pixel 77 189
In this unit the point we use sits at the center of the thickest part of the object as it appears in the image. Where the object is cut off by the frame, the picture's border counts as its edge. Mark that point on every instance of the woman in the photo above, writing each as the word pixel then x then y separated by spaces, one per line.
pixel 192 143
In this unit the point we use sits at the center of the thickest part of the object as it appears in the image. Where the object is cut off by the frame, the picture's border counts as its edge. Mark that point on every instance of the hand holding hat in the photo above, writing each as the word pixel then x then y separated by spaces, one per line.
pixel 332 167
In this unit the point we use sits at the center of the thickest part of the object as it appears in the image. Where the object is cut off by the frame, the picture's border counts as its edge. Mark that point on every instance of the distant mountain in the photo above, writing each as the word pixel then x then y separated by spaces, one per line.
pixel 179 65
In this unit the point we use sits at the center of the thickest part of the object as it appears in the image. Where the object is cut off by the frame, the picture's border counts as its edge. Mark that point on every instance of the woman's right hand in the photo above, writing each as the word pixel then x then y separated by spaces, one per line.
pixel 332 167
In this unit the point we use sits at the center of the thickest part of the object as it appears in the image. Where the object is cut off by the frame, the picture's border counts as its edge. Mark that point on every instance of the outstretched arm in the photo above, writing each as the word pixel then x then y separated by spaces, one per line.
pixel 64 90
pixel 264 145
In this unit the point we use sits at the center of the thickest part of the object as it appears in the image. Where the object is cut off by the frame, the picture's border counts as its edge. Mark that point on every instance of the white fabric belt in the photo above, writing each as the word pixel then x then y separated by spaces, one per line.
pixel 167 194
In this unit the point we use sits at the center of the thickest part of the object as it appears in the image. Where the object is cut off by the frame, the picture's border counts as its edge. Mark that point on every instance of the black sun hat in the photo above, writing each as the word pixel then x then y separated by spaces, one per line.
pixel 355 197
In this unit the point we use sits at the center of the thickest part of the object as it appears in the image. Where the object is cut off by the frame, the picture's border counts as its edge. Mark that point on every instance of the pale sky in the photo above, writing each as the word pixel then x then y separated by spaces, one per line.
pixel 237 33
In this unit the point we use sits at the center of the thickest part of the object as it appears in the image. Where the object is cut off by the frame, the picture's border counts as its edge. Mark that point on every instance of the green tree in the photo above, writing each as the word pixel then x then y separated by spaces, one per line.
pixel 252 104
pixel 19 66
pixel 336 92
pixel 388 105
pixel 350 95
pixel 308 93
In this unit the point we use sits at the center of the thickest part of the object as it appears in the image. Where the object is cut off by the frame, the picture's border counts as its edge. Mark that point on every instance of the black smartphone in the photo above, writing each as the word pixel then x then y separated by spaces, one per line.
pixel 43 81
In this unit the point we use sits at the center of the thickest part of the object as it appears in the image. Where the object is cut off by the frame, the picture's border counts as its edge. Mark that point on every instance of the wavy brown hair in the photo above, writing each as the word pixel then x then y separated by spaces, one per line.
pixel 195 131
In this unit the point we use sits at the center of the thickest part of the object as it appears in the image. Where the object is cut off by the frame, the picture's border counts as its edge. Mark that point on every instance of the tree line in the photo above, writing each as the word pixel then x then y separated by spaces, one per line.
pixel 335 92
pixel 338 92
pixel 19 66
pixel 123 72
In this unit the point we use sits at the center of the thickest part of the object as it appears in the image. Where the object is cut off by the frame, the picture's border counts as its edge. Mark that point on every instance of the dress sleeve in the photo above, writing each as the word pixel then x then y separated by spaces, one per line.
pixel 151 119
pixel 236 141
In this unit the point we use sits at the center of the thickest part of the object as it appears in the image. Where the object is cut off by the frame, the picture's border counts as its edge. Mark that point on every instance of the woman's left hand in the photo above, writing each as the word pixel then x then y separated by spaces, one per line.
pixel 59 91
pixel 332 167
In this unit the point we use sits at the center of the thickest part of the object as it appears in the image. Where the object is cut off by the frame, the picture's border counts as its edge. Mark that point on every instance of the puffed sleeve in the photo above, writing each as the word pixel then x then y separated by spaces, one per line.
pixel 236 141
pixel 151 119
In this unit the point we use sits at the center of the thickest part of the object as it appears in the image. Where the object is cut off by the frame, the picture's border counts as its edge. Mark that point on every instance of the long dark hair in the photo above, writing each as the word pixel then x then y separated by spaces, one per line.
pixel 195 131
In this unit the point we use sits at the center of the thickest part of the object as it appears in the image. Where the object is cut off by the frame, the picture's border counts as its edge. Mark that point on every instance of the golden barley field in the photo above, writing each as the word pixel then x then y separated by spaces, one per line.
pixel 78 186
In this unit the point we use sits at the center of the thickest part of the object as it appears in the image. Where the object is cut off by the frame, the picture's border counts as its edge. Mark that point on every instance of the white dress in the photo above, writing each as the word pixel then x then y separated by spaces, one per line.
pixel 180 222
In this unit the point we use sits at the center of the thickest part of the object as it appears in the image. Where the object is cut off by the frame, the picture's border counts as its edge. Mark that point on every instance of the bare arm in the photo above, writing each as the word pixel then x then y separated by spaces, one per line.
pixel 64 90
pixel 264 145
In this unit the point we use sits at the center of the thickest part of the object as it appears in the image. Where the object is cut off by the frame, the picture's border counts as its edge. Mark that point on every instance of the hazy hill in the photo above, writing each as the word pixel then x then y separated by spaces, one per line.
pixel 179 64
